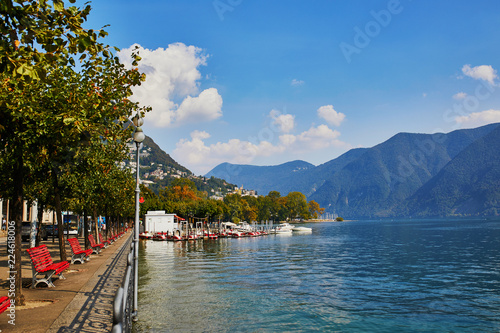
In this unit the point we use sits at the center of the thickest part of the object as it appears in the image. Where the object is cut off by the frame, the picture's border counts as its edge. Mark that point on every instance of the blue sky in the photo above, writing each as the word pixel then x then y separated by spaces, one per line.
pixel 266 82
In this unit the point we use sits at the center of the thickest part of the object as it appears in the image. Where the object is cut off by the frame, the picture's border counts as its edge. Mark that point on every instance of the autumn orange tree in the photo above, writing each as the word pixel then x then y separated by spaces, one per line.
pixel 181 189
pixel 314 209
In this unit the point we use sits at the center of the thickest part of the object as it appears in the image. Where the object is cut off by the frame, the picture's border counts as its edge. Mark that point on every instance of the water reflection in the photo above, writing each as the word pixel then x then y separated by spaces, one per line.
pixel 356 276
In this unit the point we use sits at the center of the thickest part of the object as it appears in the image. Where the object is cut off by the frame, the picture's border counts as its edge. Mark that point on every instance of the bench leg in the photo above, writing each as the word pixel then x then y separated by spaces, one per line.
pixel 78 257
pixel 47 279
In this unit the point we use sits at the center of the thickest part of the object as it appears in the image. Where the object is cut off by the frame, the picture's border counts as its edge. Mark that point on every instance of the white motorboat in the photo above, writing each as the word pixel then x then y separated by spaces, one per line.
pixel 282 231
pixel 282 228
pixel 302 229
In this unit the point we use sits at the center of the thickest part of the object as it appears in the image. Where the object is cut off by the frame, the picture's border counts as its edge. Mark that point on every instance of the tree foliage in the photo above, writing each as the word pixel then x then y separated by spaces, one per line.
pixel 183 199
pixel 62 126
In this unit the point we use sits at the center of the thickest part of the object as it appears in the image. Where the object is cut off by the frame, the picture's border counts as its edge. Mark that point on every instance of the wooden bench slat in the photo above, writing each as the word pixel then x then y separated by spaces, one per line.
pixel 4 303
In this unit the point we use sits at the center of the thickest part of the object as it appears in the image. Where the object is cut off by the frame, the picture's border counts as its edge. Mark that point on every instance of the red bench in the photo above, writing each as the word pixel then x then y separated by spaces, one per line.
pixel 78 254
pixel 113 237
pixel 4 303
pixel 42 264
pixel 105 242
pixel 96 248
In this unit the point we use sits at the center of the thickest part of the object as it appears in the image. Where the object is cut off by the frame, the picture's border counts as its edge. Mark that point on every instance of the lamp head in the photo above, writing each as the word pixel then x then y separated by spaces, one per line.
pixel 137 120
pixel 139 135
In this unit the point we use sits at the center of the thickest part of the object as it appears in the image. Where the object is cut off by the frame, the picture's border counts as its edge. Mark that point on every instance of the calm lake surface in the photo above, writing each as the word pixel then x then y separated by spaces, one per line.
pixel 360 276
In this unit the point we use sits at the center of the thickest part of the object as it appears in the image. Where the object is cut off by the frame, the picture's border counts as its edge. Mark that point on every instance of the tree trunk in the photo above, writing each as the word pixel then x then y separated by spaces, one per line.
pixel 60 227
pixel 16 211
pixel 108 225
pixel 39 218
pixel 86 230
pixel 96 222
pixel 53 226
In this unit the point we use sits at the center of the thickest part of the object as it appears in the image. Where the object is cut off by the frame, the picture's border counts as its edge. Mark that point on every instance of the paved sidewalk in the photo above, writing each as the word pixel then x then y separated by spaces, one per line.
pixel 83 302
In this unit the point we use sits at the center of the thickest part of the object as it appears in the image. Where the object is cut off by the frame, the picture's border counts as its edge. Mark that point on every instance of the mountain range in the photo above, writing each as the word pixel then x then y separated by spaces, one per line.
pixel 158 170
pixel 410 175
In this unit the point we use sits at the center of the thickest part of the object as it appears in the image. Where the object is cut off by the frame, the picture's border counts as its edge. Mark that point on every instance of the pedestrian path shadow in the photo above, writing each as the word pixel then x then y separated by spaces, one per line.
pixel 94 307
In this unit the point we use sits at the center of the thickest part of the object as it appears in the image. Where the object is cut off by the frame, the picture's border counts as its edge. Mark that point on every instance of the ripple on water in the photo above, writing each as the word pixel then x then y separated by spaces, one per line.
pixel 358 276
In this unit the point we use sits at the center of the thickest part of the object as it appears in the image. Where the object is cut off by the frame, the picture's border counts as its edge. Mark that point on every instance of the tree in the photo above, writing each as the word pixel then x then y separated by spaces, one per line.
pixel 296 205
pixel 181 189
pixel 234 205
pixel 314 209
pixel 275 205
pixel 40 109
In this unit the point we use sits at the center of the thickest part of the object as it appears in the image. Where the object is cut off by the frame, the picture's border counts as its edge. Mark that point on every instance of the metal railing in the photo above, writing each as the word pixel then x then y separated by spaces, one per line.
pixel 124 300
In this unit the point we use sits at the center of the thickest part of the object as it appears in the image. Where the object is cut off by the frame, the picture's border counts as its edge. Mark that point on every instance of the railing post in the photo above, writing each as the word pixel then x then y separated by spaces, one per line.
pixel 136 237
pixel 118 311
pixel 123 313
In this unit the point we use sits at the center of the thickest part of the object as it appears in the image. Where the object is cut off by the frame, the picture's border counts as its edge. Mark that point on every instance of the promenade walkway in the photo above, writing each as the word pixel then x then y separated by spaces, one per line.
pixel 83 302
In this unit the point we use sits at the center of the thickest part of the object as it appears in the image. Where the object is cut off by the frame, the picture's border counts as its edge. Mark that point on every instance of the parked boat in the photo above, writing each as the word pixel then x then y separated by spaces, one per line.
pixel 145 235
pixel 193 237
pixel 177 238
pixel 160 237
pixel 222 234
pixel 302 229
pixel 282 228
pixel 281 231
pixel 236 234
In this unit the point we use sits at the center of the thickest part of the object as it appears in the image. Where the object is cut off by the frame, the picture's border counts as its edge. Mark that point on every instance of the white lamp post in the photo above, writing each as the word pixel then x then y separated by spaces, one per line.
pixel 138 138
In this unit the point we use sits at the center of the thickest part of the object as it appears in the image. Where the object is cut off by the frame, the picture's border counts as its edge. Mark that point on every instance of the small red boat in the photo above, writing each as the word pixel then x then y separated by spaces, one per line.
pixel 145 235
pixel 160 237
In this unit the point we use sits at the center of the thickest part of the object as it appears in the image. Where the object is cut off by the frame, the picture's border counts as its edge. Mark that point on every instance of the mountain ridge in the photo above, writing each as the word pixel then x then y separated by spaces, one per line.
pixel 158 170
pixel 372 182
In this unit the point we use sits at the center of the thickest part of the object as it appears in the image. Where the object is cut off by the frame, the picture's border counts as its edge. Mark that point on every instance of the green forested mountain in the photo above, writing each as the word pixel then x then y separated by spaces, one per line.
pixel 468 185
pixel 263 179
pixel 155 155
pixel 379 181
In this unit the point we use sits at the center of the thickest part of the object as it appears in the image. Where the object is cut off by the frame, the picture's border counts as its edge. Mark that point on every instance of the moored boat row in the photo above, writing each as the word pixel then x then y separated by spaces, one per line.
pixel 234 231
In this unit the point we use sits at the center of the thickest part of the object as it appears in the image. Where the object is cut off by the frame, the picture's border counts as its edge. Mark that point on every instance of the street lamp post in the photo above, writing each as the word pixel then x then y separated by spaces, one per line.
pixel 138 138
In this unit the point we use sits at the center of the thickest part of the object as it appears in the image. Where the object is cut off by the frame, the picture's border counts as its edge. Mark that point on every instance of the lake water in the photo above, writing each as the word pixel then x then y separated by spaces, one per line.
pixel 359 276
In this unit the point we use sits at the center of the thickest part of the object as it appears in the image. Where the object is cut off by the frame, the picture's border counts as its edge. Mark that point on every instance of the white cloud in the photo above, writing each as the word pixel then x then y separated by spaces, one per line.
pixel 207 106
pixel 314 138
pixel 202 157
pixel 296 83
pixel 328 113
pixel 483 72
pixel 476 119
pixel 172 85
pixel 200 135
pixel 284 122
pixel 459 96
